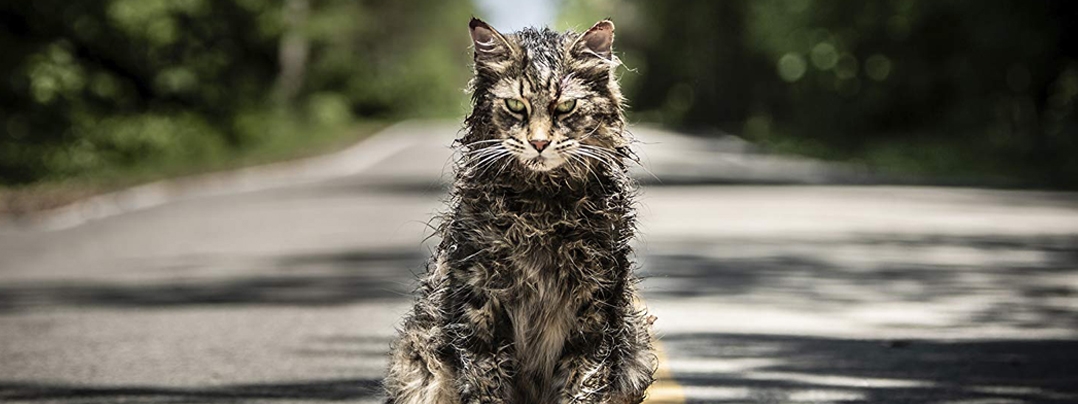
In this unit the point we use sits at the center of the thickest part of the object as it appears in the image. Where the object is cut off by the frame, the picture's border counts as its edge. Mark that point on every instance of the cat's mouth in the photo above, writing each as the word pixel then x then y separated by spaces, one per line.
pixel 541 158
pixel 542 163
pixel 538 163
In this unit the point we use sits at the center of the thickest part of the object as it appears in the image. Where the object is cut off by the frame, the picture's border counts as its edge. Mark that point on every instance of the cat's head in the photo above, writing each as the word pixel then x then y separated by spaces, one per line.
pixel 544 101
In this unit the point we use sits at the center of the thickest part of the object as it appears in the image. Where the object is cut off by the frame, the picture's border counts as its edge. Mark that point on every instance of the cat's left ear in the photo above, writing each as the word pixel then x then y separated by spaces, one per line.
pixel 489 44
pixel 598 40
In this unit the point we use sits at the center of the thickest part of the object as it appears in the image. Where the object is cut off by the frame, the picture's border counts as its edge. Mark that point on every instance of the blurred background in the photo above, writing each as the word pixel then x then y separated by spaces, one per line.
pixel 121 91
pixel 844 201
pixel 979 92
pixel 101 93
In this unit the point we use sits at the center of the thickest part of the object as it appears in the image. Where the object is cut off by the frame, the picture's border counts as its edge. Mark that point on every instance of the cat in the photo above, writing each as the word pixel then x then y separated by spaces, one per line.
pixel 530 296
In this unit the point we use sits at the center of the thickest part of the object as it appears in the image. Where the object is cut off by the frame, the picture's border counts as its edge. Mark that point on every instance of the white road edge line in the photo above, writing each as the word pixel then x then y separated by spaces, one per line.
pixel 353 160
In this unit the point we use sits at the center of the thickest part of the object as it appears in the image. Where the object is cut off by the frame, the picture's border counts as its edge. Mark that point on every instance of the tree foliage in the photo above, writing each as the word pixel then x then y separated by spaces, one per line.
pixel 94 86
pixel 958 87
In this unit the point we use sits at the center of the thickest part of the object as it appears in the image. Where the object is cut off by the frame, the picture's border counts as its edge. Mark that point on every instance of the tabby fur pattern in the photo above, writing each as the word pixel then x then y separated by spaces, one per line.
pixel 530 296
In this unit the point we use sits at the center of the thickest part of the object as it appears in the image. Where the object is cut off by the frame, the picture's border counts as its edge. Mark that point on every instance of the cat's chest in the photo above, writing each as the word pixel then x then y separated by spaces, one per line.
pixel 550 228
pixel 542 315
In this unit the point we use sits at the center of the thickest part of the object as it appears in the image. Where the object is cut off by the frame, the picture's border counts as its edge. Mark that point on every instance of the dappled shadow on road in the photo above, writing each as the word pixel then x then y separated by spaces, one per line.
pixel 321 390
pixel 1013 281
pixel 302 280
pixel 366 349
pixel 425 186
pixel 971 319
pixel 729 368
pixel 324 367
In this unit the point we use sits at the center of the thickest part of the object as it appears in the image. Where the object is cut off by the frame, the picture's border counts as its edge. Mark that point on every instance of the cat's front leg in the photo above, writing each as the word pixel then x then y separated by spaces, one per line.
pixel 636 359
pixel 483 378
pixel 483 364
pixel 416 373
pixel 587 379
pixel 606 377
pixel 614 362
pixel 587 366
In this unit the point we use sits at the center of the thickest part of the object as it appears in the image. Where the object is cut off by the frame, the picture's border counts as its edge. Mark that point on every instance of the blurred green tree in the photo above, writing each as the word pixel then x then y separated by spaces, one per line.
pixel 104 86
pixel 981 90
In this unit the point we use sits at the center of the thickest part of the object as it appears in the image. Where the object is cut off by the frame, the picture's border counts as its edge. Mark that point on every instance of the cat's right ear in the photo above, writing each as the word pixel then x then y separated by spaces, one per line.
pixel 490 46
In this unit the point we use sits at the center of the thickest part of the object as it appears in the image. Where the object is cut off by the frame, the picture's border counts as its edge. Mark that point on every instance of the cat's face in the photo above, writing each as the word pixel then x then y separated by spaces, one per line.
pixel 549 100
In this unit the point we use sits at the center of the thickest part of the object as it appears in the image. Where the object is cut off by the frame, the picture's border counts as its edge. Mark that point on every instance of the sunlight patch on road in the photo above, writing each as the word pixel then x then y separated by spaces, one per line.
pixel 837 381
pixel 727 365
pixel 1023 391
pixel 824 396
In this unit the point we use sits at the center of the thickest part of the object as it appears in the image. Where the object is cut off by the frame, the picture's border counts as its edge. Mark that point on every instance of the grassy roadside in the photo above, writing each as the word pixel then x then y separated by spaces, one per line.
pixel 50 194
pixel 937 161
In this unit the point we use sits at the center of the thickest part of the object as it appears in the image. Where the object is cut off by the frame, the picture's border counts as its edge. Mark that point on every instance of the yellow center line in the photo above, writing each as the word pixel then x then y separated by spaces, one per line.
pixel 665 390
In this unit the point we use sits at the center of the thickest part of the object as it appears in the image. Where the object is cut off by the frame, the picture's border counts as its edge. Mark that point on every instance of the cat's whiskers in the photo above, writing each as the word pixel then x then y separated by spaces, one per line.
pixel 598 156
pixel 620 156
pixel 473 155
pixel 586 168
pixel 488 163
pixel 478 158
pixel 478 142
pixel 486 157
pixel 615 156
pixel 603 150
pixel 481 166
pixel 504 166
pixel 484 149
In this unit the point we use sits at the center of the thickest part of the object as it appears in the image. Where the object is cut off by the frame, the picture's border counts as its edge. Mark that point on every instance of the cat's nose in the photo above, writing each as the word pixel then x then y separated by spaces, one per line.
pixel 539 145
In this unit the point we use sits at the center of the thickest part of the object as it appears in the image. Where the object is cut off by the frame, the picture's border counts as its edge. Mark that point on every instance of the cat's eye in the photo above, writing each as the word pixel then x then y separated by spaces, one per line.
pixel 515 105
pixel 565 106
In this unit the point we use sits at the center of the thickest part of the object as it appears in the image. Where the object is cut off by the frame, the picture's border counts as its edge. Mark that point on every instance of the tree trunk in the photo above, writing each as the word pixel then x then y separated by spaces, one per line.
pixel 293 51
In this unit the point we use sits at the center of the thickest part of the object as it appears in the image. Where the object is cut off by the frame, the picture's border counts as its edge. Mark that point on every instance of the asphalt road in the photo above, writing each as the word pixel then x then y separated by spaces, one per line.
pixel 289 291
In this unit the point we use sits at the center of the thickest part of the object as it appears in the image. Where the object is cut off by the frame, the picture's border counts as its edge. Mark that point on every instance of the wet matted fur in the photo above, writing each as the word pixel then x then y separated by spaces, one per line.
pixel 530 297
